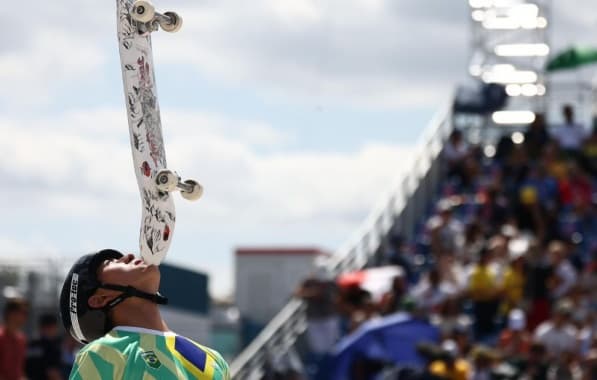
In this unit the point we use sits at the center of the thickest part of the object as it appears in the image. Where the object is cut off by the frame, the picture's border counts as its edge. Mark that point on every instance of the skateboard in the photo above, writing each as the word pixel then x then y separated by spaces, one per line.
pixel 137 19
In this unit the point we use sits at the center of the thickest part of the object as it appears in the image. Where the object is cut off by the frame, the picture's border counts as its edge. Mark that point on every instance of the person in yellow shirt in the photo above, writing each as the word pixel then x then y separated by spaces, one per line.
pixel 484 290
pixel 514 280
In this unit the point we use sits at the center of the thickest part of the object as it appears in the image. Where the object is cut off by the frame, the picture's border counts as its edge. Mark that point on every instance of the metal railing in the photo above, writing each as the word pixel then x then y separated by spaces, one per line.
pixel 399 210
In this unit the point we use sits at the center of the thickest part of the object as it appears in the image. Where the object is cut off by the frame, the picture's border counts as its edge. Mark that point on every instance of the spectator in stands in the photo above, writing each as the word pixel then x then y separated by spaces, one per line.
pixel 514 341
pixel 553 162
pixel 529 212
pixel 453 323
pixel 539 272
pixel 494 210
pixel 455 152
pixel 498 251
pixel 470 175
pixel 515 170
pixel 575 188
pixel 473 241
pixel 513 282
pixel 536 366
pixel 536 137
pixel 483 290
pixel 431 293
pixel 398 254
pixel 367 309
pixel 570 135
pixel 394 300
pixel 589 153
pixel 564 275
pixel 484 360
pixel 44 354
pixel 319 292
pixel 447 233
pixel 558 334
pixel 13 343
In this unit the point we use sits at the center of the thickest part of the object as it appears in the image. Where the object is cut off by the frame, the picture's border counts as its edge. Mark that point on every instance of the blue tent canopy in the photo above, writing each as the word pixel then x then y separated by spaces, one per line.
pixel 392 339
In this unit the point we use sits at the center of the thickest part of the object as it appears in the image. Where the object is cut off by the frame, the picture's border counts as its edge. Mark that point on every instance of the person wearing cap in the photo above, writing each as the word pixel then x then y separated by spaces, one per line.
pixel 514 340
pixel 109 301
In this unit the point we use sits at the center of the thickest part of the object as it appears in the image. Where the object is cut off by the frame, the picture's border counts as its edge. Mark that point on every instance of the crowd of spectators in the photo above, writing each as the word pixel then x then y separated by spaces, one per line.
pixel 46 355
pixel 505 266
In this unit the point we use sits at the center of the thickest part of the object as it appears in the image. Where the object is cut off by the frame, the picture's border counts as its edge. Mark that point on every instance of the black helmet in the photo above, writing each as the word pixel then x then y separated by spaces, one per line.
pixel 82 321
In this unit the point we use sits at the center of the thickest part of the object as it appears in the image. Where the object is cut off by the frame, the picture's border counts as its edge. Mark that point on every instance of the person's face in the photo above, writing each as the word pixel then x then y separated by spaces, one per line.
pixel 49 331
pixel 518 264
pixel 398 284
pixel 126 271
pixel 18 318
pixel 446 215
pixel 434 278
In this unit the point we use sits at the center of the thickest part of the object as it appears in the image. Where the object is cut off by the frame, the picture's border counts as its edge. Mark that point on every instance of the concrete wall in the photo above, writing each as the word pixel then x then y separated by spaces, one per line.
pixel 265 282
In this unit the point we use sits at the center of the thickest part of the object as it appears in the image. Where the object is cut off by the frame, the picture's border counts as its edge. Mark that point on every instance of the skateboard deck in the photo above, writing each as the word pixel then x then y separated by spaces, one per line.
pixel 158 216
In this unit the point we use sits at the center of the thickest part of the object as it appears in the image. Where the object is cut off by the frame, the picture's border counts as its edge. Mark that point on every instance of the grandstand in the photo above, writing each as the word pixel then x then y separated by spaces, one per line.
pixel 520 193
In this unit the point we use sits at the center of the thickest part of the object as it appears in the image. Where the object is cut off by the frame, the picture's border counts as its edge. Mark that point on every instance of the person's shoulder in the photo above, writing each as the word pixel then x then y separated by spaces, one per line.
pixel 103 346
pixel 99 351
pixel 543 329
pixel 218 359
pixel 220 366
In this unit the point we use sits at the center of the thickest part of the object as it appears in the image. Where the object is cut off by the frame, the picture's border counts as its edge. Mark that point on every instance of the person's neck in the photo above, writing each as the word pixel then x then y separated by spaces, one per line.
pixel 139 313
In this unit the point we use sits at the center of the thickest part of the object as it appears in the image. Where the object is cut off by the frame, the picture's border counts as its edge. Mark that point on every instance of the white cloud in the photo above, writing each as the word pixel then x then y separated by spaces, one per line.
pixel 366 53
pixel 69 164
pixel 54 57
pixel 361 53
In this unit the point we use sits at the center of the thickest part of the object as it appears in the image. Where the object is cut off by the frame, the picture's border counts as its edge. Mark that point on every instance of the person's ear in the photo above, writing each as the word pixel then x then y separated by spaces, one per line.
pixel 98 301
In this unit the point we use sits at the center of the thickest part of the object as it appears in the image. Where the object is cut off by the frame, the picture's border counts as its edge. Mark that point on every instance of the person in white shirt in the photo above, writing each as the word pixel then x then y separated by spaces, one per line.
pixel 558 334
pixel 570 135
pixel 564 273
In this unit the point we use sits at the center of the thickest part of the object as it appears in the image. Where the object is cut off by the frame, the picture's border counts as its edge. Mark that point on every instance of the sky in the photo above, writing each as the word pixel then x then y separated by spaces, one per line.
pixel 295 115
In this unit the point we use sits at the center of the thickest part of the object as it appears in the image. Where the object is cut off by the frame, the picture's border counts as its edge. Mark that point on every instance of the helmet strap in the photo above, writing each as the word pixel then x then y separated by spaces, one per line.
pixel 129 291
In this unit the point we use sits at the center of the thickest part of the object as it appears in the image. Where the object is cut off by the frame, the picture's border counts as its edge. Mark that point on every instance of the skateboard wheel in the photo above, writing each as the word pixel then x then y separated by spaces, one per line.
pixel 143 11
pixel 175 22
pixel 166 180
pixel 194 194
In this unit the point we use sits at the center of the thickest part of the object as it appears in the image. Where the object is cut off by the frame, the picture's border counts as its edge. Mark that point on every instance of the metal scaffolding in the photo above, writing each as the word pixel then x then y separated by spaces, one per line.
pixel 510 46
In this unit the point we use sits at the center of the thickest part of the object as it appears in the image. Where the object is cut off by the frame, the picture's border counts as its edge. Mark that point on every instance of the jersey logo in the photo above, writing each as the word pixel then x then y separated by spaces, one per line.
pixel 151 359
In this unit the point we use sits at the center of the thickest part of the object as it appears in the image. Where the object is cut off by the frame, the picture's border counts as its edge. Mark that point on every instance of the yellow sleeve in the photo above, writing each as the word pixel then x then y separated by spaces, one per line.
pixel 98 362
pixel 84 368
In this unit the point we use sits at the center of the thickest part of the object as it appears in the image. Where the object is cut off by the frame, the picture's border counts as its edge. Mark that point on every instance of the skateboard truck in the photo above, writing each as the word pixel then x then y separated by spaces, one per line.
pixel 168 181
pixel 144 12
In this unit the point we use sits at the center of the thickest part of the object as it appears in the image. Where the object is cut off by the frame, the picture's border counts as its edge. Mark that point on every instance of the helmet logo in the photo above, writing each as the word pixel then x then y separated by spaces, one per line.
pixel 151 359
pixel 74 318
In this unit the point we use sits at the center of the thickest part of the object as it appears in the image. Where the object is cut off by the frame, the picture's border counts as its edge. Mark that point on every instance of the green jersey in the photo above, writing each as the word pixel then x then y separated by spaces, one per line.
pixel 133 353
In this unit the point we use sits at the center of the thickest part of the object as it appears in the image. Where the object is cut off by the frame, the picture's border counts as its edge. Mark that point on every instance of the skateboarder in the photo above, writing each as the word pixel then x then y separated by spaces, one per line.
pixel 110 301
